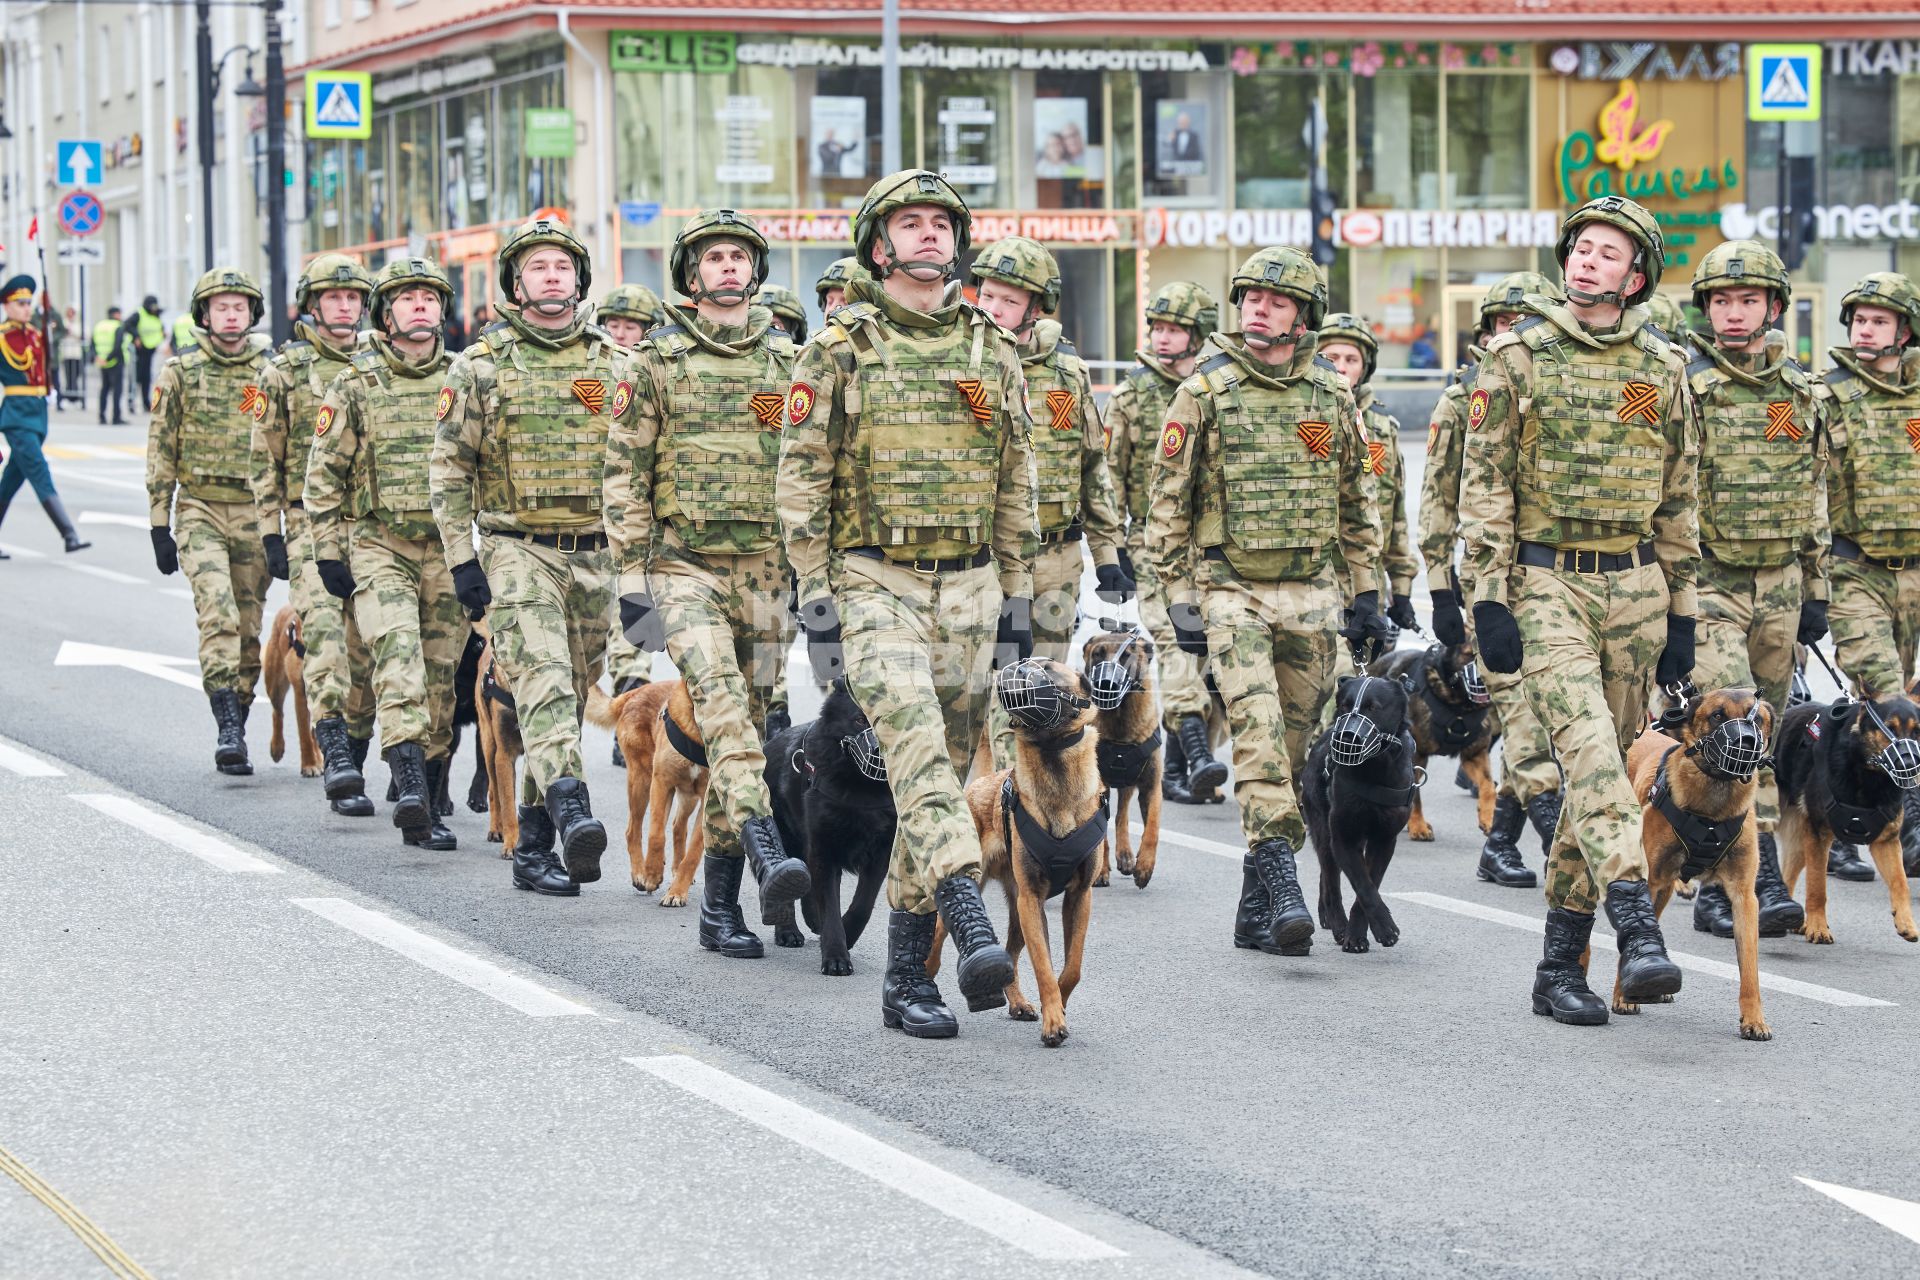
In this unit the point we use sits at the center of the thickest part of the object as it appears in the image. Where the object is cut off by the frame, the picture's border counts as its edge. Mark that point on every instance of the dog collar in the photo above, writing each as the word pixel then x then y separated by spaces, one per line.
pixel 1707 840
pixel 694 752
pixel 1058 856
pixel 1122 762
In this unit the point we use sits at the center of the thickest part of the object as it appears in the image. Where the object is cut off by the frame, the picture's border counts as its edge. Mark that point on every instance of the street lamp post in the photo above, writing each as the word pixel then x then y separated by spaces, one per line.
pixel 275 93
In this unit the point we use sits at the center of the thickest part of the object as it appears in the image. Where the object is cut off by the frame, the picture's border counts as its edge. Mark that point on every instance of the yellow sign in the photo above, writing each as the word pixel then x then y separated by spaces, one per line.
pixel 1620 145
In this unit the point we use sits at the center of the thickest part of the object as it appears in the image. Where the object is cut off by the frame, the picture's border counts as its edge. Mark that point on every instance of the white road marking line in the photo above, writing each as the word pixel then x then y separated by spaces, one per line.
pixel 25 553
pixel 168 830
pixel 1200 844
pixel 74 653
pixel 106 482
pixel 1700 964
pixel 469 970
pixel 1902 1216
pixel 1025 1229
pixel 27 766
pixel 111 575
pixel 113 517
pixel 178 593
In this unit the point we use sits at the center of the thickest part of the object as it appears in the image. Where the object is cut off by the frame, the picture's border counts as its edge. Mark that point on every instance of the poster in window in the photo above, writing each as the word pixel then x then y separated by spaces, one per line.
pixel 839 137
pixel 745 122
pixel 1060 147
pixel 966 141
pixel 1180 138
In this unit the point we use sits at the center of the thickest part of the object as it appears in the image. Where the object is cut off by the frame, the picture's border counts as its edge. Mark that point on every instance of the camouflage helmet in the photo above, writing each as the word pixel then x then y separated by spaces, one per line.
pixel 633 302
pixel 531 235
pixel 330 271
pixel 1640 227
pixel 1344 326
pixel 901 190
pixel 1024 264
pixel 402 274
pixel 1741 264
pixel 838 275
pixel 1669 314
pixel 1188 305
pixel 1887 289
pixel 712 224
pixel 787 308
pixel 226 280
pixel 1287 271
pixel 1507 295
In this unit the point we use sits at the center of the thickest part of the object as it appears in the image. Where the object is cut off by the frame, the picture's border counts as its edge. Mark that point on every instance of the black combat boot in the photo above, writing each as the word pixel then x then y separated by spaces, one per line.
pixel 1500 859
pixel 1173 773
pixel 1204 774
pixel 1910 833
pixel 1543 811
pixel 360 805
pixel 1646 972
pixel 437 835
pixel 985 968
pixel 1779 913
pixel 230 750
pixel 1845 863
pixel 1290 923
pixel 412 809
pixel 1254 915
pixel 582 838
pixel 909 999
pixel 534 866
pixel 338 775
pixel 57 512
pixel 1559 982
pixel 783 878
pixel 722 927
pixel 1713 911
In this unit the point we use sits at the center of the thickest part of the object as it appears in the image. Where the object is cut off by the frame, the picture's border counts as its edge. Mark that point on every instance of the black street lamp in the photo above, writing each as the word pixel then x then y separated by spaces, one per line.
pixel 275 92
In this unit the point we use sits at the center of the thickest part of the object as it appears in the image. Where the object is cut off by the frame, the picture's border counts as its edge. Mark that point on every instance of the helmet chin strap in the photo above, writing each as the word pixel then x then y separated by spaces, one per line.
pixel 915 268
pixel 337 330
pixel 1739 342
pixel 1611 298
pixel 419 334
pixel 1870 354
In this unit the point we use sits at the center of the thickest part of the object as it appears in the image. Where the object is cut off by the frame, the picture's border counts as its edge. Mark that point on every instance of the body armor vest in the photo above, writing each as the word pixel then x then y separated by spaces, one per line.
pixel 1756 443
pixel 1055 383
pixel 397 432
pixel 1152 397
pixel 1883 465
pixel 548 446
pixel 311 370
pixel 219 403
pixel 1276 491
pixel 719 450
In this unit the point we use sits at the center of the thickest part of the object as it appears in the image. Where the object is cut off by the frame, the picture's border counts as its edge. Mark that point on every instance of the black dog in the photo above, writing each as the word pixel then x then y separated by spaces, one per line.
pixel 834 808
pixel 1357 792
pixel 463 715
pixel 1448 715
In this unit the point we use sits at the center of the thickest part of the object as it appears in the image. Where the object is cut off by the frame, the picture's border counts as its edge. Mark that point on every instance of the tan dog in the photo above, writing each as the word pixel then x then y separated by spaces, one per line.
pixel 662 781
pixel 1131 754
pixel 1720 802
pixel 498 727
pixel 283 664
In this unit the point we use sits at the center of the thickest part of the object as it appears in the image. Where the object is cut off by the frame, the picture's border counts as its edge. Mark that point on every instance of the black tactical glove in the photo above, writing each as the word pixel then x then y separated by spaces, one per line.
pixel 1366 631
pixel 1126 563
pixel 1014 640
pixel 1189 632
pixel 1400 613
pixel 276 555
pixel 821 621
pixel 1116 584
pixel 1497 636
pixel 166 556
pixel 471 589
pixel 1676 660
pixel 336 578
pixel 1449 626
pixel 1813 621
pixel 642 624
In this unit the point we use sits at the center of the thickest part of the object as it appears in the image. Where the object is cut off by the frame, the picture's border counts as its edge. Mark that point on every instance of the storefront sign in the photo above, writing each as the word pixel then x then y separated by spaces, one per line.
pixel 1650 60
pixel 1054 228
pixel 1874 57
pixel 958 57
pixel 966 141
pixel 702 52
pixel 1626 142
pixel 433 79
pixel 745 120
pixel 1354 228
pixel 1897 221
pixel 549 132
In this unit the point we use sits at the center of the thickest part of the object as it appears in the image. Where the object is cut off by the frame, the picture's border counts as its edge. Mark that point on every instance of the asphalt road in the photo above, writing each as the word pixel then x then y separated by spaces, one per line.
pixel 232 1083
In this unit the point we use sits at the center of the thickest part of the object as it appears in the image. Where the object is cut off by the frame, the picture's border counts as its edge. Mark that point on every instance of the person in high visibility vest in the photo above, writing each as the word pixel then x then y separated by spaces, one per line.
pixel 149 331
pixel 112 349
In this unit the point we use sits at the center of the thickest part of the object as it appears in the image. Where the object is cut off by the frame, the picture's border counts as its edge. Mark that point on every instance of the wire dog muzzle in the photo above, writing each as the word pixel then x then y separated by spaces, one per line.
pixel 1033 700
pixel 1355 738
pixel 1734 749
pixel 864 749
pixel 1476 688
pixel 1901 758
pixel 1110 678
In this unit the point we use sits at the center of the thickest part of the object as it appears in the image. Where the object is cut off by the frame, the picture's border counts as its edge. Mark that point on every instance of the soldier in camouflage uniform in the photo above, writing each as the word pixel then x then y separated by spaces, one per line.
pixel 1348 344
pixel 204 407
pixel 1529 777
pixel 689 506
pixel 906 497
pixel 1668 316
pixel 1018 282
pixel 374 540
pixel 1580 524
pixel 1763 520
pixel 524 417
pixel 1258 496
pixel 789 312
pixel 1870 401
pixel 626 313
pixel 830 290
pixel 332 294
pixel 1180 318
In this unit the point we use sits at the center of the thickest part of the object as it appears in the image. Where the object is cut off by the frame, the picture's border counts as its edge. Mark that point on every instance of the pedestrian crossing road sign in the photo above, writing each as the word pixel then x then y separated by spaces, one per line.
pixel 339 104
pixel 1783 82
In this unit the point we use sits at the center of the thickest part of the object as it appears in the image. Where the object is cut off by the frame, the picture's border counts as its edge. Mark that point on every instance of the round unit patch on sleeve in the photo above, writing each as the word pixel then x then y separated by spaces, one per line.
pixel 799 403
pixel 1172 439
pixel 1477 409
pixel 324 423
pixel 622 397
pixel 445 407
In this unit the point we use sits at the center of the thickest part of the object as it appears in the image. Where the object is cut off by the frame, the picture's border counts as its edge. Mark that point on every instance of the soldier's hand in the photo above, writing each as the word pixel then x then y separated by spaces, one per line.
pixel 1116 584
pixel 642 624
pixel 166 555
pixel 1813 621
pixel 1676 660
pixel 336 578
pixel 470 587
pixel 821 621
pixel 1449 624
pixel 1189 632
pixel 1497 636
pixel 1366 631
pixel 276 555
pixel 1014 640
pixel 1400 613
pixel 1126 563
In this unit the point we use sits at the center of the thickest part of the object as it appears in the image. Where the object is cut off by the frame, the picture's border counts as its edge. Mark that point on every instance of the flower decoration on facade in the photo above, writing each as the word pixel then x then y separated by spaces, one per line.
pixel 1330 58
pixel 1244 61
pixel 1490 56
pixel 1452 57
pixel 1565 60
pixel 1368 59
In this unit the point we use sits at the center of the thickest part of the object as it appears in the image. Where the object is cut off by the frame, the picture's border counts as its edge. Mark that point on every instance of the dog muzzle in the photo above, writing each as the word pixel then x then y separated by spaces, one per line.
pixel 1111 680
pixel 1476 688
pixel 1901 762
pixel 1032 699
pixel 864 749
pixel 1734 750
pixel 1799 691
pixel 1356 739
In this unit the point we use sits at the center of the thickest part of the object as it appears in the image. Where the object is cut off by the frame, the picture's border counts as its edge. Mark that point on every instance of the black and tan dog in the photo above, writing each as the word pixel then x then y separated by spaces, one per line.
pixel 1359 787
pixel 1842 770
pixel 834 807
pixel 283 664
pixel 1119 667
pixel 498 731
pixel 1041 824
pixel 1449 715
pixel 1696 785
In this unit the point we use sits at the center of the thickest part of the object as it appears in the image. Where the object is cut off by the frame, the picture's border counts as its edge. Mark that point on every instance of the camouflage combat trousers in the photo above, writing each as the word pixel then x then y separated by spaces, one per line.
pixel 1748 619
pixel 1272 647
pixel 919 648
pixel 226 566
pixel 415 630
pixel 338 669
pixel 1177 675
pixel 624 662
pixel 549 625
pixel 1591 642
pixel 726 622
pixel 1526 757
pixel 1056 607
pixel 1875 617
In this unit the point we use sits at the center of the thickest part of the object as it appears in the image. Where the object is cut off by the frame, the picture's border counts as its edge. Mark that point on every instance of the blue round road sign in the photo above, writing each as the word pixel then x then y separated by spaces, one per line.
pixel 80 213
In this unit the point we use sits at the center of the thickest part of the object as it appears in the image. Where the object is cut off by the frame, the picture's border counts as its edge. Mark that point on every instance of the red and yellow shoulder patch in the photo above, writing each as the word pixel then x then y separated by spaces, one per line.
pixel 253 402
pixel 799 403
pixel 445 404
pixel 622 397
pixel 1173 439
pixel 323 423
pixel 1433 436
pixel 1477 409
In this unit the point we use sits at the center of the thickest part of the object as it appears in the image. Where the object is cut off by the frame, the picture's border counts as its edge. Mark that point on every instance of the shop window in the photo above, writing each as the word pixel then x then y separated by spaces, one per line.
pixel 1397 140
pixel 840 137
pixel 525 183
pixel 416 151
pixel 1270 132
pixel 727 139
pixel 1857 142
pixel 639 147
pixel 467 137
pixel 968 123
pixel 1487 159
pixel 1068 141
pixel 1399 291
pixel 1183 137
pixel 1086 302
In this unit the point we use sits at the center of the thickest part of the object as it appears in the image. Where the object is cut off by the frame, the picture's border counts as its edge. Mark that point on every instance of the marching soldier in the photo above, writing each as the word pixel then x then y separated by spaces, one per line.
pixel 1529 777
pixel 830 290
pixel 1180 318
pixel 690 472
pixel 789 312
pixel 1871 398
pixel 1259 483
pixel 523 421
pixel 1578 504
pixel 1669 317
pixel 332 294
pixel 1763 521
pixel 374 540
pixel 1018 283
pixel 1347 343
pixel 23 410
pixel 626 313
pixel 906 497
pixel 198 449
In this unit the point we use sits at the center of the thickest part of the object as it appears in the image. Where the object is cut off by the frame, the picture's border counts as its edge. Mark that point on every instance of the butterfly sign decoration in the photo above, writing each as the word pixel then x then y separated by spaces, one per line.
pixel 1622 141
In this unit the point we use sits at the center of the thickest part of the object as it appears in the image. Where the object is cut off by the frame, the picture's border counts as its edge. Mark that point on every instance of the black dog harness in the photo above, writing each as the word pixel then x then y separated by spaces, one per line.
pixel 1059 856
pixel 495 690
pixel 1859 824
pixel 1373 792
pixel 695 752
pixel 1456 727
pixel 1706 840
pixel 1122 762
pixel 294 642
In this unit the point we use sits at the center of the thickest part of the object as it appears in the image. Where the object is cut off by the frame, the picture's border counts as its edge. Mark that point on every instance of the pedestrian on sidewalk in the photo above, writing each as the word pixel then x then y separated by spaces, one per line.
pixel 23 408
pixel 148 332
pixel 72 350
pixel 112 352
